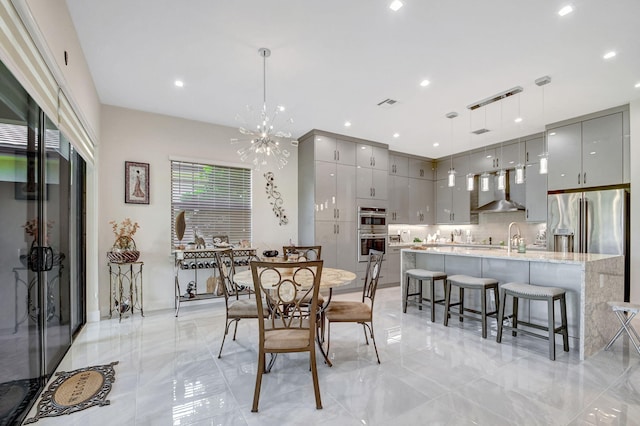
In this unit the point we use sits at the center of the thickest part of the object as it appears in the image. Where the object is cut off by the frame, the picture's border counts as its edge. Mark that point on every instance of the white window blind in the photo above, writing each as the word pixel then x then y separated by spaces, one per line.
pixel 216 201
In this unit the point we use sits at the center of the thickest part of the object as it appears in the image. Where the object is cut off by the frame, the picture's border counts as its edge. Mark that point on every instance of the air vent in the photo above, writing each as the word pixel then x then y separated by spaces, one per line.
pixel 480 131
pixel 543 80
pixel 495 98
pixel 387 103
pixel 294 143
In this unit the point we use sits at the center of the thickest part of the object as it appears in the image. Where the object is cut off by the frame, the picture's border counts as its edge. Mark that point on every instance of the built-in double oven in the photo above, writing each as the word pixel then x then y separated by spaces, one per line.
pixel 372 231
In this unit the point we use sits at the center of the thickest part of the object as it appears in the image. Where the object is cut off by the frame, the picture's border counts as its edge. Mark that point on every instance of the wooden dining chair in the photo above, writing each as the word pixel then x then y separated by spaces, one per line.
pixel 236 308
pixel 358 312
pixel 283 327
pixel 303 252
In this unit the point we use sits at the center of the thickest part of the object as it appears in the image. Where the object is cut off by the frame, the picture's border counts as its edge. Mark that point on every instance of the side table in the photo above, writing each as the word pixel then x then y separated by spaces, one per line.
pixel 125 288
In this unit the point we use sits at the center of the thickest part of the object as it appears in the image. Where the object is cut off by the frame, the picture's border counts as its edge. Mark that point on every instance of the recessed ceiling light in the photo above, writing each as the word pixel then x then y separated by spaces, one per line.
pixel 347 124
pixel 609 55
pixel 425 83
pixel 518 120
pixel 565 10
pixel 396 5
pixel 396 135
pixel 436 144
pixel 179 83
pixel 552 134
pixel 637 86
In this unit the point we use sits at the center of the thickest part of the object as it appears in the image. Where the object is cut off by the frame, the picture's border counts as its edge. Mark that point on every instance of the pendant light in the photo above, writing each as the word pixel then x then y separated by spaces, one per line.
pixel 470 176
pixel 484 177
pixel 544 157
pixel 502 176
pixel 451 179
pixel 519 167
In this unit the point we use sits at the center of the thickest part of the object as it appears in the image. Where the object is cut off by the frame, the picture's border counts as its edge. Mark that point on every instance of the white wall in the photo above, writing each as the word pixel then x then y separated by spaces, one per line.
pixel 128 135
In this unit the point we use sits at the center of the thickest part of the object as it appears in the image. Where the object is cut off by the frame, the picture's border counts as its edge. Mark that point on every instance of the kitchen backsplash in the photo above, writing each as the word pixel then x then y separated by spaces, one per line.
pixel 490 225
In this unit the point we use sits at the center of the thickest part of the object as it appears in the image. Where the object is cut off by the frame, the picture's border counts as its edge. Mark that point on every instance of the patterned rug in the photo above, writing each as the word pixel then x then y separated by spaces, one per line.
pixel 76 390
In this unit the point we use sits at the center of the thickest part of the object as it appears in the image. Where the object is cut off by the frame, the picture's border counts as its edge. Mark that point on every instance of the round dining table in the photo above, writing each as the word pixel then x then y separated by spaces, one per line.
pixel 330 278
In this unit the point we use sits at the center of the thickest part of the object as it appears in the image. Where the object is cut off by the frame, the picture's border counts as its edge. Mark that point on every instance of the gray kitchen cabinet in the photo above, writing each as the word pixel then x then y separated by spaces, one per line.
pixel 534 149
pixel 453 205
pixel 398 211
pixel 585 154
pixel 420 169
pixel 398 165
pixel 421 209
pixel 335 192
pixel 371 183
pixel 535 194
pixel 460 163
pixel 506 156
pixel 483 161
pixel 392 273
pixel 339 244
pixel 334 150
pixel 372 157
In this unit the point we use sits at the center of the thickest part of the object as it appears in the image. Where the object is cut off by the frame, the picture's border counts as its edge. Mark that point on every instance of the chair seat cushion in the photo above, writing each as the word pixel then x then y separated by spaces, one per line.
pixel 471 281
pixel 532 290
pixel 286 339
pixel 425 274
pixel 344 311
pixel 244 308
pixel 624 306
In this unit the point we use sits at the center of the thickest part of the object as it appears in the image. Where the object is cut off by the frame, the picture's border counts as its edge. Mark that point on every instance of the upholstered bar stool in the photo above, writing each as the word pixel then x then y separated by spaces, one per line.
pixel 473 283
pixel 535 292
pixel 420 275
pixel 621 309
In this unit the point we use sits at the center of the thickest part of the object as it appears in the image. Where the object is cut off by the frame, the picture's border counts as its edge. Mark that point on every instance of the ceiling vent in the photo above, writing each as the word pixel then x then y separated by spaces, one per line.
pixel 480 131
pixel 543 80
pixel 387 103
pixel 495 98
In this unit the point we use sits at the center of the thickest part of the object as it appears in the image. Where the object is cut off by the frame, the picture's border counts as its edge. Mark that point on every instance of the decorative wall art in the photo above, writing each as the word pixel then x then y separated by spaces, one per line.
pixel 136 183
pixel 277 199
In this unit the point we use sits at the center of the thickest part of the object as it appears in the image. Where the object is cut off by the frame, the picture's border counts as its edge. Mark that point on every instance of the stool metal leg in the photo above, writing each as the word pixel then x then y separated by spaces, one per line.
pixel 483 312
pixel 565 331
pixel 461 293
pixel 432 288
pixel 514 318
pixel 501 316
pixel 406 293
pixel 447 301
pixel 626 326
pixel 552 329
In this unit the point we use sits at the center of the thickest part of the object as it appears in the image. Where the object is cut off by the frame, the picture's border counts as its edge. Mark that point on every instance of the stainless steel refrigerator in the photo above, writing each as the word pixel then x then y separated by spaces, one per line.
pixel 593 221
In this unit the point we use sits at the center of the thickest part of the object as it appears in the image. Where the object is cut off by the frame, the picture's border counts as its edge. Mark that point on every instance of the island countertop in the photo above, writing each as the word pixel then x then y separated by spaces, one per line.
pixel 529 256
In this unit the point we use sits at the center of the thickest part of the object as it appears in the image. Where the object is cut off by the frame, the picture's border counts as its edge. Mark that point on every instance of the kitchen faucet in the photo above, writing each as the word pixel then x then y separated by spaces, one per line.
pixel 509 240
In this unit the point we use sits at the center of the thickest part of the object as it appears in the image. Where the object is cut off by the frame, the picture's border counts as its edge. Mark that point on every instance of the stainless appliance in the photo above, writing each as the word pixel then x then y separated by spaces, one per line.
pixel 594 221
pixel 372 231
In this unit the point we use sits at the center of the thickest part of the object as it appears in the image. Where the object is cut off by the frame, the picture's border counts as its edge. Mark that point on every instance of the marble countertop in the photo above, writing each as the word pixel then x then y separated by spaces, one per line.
pixel 530 256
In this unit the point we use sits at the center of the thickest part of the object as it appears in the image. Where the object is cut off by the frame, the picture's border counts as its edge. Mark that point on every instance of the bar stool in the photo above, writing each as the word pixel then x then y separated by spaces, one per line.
pixel 535 292
pixel 472 283
pixel 424 275
pixel 620 309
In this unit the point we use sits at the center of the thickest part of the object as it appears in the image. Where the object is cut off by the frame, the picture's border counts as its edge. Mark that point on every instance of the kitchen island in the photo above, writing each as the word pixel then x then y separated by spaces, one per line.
pixel 591 280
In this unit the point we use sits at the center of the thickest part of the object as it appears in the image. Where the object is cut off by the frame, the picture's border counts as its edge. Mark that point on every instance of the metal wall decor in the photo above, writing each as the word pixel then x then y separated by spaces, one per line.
pixel 277 199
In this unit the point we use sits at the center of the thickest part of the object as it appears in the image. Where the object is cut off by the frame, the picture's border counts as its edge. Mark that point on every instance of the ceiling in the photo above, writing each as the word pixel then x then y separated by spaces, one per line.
pixel 334 61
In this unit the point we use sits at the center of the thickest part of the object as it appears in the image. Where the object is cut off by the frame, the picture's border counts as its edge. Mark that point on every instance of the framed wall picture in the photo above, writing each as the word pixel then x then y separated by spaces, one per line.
pixel 136 183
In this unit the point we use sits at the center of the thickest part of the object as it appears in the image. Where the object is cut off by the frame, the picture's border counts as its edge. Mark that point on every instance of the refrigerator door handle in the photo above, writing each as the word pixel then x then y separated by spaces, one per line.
pixel 580 225
pixel 585 228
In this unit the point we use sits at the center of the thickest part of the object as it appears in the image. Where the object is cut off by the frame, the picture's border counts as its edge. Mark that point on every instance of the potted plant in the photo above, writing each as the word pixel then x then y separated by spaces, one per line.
pixel 124 248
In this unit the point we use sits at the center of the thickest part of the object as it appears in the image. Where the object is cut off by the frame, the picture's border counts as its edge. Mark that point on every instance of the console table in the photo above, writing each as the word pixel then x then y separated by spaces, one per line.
pixel 200 259
pixel 125 282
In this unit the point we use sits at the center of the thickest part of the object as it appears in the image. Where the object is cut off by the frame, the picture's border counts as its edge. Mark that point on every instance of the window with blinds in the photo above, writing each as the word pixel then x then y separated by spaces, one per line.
pixel 216 201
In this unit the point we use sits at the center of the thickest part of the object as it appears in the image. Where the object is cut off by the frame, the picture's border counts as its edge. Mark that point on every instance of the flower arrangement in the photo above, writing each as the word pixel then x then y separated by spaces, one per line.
pixel 124 232
pixel 31 229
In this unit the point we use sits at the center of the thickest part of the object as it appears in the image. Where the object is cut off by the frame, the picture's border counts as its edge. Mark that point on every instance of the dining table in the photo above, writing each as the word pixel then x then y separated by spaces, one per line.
pixel 330 278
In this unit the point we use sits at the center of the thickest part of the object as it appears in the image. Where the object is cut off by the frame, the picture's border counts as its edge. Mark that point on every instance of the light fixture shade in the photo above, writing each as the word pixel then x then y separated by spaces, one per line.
pixel 451 181
pixel 544 164
pixel 502 180
pixel 519 174
pixel 471 181
pixel 484 182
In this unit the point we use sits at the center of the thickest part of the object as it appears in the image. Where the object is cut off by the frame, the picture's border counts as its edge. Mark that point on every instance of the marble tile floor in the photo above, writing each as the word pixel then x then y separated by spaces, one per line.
pixel 169 374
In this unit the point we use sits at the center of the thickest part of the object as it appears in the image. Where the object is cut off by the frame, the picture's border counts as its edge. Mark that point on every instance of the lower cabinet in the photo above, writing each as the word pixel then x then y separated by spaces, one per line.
pixel 339 244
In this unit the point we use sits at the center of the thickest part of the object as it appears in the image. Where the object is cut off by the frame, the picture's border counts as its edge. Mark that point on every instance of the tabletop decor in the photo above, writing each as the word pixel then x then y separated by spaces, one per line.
pixel 277 199
pixel 136 183
pixel 124 248
pixel 76 390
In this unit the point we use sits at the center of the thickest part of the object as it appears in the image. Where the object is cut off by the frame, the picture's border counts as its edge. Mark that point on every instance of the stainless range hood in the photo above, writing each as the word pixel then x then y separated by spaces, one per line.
pixel 496 200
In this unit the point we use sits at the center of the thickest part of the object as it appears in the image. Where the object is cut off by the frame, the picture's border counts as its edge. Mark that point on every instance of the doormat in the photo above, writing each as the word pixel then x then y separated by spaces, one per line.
pixel 76 390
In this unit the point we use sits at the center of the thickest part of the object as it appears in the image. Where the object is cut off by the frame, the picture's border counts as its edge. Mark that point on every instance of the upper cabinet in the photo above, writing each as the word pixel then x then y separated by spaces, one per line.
pixel 420 169
pixel 587 153
pixel 453 204
pixel 398 165
pixel 372 157
pixel 534 148
pixel 461 164
pixel 503 157
pixel 334 150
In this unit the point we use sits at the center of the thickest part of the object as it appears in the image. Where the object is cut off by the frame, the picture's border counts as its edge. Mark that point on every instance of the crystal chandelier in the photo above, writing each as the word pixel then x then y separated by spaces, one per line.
pixel 263 145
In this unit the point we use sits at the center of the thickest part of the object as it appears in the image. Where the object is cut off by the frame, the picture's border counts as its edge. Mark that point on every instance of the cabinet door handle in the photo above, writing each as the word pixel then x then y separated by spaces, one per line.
pixel 338 227
pixel 374 192
pixel 374 161
pixel 497 162
pixel 584 179
pixel 527 157
pixel 527 213
pixel 335 157
pixel 578 178
pixel 338 210
pixel 338 155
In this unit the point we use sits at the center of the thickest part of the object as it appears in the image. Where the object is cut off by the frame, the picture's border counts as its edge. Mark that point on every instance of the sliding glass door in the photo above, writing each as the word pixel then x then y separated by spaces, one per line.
pixel 41 269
